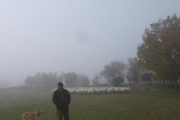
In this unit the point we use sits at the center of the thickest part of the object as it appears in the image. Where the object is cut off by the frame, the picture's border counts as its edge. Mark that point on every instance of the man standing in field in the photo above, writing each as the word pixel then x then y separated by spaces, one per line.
pixel 61 98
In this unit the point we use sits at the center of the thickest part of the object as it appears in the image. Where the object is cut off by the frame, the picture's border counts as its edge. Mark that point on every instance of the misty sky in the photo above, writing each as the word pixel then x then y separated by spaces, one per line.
pixel 73 35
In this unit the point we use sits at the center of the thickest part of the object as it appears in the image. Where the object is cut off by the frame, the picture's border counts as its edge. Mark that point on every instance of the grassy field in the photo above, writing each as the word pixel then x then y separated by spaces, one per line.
pixel 131 106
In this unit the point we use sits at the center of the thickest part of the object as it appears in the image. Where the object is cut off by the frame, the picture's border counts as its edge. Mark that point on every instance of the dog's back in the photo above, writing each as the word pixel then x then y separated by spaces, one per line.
pixel 32 115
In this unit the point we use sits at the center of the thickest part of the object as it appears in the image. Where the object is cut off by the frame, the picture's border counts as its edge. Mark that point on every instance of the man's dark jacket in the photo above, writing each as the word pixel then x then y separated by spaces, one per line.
pixel 61 98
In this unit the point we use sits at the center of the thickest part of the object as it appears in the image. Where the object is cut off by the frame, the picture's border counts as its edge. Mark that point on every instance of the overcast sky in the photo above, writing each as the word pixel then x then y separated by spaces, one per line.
pixel 73 35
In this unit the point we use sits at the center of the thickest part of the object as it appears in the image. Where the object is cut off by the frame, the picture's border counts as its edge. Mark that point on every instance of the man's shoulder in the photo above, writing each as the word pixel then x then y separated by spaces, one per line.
pixel 66 90
pixel 56 90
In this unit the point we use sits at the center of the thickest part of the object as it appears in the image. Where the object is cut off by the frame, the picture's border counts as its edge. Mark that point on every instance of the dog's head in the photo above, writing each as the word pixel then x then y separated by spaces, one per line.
pixel 40 112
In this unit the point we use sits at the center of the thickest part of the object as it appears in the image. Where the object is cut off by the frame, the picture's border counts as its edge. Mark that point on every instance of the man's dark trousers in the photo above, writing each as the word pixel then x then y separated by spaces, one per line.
pixel 63 112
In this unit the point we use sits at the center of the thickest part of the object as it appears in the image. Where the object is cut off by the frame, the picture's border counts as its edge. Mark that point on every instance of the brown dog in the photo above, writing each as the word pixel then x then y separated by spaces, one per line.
pixel 32 115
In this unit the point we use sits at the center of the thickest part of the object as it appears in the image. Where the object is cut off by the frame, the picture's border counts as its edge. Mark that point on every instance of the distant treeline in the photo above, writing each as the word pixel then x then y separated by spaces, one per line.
pixel 43 79
pixel 51 79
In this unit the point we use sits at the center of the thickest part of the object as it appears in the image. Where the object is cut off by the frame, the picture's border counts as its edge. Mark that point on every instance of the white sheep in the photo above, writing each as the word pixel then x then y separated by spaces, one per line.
pixel 110 90
pixel 91 91
pixel 54 89
pixel 96 90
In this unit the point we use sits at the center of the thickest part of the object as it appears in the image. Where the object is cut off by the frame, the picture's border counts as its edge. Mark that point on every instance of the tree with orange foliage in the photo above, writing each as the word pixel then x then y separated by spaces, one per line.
pixel 160 50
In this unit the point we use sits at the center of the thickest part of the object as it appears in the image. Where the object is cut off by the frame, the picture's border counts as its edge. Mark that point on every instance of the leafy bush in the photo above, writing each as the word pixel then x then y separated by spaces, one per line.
pixel 117 81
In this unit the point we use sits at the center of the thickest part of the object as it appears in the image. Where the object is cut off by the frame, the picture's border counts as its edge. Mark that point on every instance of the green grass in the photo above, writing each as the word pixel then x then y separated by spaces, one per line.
pixel 132 106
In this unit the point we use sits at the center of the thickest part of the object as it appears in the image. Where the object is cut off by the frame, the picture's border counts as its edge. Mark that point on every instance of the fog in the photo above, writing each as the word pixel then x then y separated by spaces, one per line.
pixel 72 36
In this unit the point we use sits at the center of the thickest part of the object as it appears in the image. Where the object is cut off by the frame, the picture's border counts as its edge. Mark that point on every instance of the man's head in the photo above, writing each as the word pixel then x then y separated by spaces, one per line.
pixel 60 85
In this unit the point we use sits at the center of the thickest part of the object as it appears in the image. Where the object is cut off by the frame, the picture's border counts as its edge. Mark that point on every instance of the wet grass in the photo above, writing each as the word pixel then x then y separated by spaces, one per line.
pixel 132 106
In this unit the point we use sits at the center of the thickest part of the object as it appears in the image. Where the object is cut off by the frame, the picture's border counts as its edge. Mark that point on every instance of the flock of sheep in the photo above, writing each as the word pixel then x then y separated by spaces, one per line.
pixel 96 90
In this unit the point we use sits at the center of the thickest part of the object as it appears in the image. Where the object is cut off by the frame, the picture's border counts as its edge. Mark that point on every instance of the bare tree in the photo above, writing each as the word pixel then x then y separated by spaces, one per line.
pixel 96 79
pixel 115 69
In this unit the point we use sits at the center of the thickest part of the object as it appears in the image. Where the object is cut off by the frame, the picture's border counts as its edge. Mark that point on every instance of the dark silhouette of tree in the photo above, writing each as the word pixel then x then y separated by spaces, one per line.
pixel 71 79
pixel 83 80
pixel 30 81
pixel 117 81
pixel 147 77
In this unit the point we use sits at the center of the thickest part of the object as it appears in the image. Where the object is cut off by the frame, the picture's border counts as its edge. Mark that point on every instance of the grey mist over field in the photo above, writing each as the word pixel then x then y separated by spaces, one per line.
pixel 72 36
